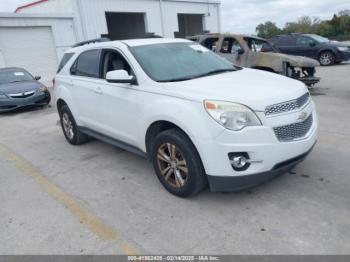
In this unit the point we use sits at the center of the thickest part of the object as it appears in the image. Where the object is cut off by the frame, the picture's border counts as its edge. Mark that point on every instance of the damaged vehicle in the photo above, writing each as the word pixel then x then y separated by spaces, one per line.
pixel 258 53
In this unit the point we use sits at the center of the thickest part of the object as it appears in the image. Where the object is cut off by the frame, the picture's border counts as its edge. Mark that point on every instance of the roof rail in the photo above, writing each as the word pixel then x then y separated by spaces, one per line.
pixel 92 41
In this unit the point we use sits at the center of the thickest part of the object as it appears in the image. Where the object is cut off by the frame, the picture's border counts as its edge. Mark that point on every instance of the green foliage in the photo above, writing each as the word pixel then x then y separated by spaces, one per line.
pixel 268 30
pixel 336 28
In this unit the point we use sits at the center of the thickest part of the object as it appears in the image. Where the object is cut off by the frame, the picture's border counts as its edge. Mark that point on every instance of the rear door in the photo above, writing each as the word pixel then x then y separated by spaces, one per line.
pixel 86 87
pixel 287 44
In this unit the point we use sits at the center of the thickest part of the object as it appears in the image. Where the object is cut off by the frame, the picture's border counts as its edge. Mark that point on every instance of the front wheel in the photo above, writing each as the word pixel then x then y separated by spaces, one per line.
pixel 327 58
pixel 70 128
pixel 177 164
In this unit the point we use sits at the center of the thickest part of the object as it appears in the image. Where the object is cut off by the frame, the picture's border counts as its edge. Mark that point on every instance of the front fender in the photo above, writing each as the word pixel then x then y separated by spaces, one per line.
pixel 190 116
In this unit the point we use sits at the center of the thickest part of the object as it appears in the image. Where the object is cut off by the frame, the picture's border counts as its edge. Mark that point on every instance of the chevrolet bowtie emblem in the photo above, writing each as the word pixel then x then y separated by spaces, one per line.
pixel 302 116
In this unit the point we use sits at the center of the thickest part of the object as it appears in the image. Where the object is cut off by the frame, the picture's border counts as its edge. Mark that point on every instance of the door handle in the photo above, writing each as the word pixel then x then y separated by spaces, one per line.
pixel 98 91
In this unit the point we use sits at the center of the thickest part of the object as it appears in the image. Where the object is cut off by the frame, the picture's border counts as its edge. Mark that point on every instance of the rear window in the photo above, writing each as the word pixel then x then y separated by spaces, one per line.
pixel 64 61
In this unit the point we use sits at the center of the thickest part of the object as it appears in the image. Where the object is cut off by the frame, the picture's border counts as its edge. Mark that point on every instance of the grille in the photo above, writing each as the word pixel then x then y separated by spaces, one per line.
pixel 287 106
pixel 22 95
pixel 293 131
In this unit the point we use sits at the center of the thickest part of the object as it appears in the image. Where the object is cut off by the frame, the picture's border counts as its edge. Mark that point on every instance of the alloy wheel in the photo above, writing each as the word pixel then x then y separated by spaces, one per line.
pixel 326 59
pixel 67 126
pixel 172 165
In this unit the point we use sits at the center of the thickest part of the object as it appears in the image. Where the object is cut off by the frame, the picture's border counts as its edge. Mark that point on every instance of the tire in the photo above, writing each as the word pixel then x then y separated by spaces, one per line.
pixel 70 129
pixel 171 167
pixel 327 58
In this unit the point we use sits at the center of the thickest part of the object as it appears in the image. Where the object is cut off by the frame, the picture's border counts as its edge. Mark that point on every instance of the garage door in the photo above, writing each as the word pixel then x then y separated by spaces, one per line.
pixel 31 48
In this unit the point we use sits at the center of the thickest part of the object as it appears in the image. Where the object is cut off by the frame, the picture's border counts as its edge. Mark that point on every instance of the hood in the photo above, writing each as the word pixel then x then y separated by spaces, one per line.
pixel 254 88
pixel 19 87
pixel 297 61
pixel 335 44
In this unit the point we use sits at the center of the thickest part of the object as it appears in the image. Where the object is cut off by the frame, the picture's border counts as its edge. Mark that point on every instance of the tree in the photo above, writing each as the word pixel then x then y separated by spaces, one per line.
pixel 336 28
pixel 267 30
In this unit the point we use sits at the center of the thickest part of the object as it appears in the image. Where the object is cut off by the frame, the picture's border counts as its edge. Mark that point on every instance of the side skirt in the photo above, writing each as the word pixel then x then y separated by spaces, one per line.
pixel 113 142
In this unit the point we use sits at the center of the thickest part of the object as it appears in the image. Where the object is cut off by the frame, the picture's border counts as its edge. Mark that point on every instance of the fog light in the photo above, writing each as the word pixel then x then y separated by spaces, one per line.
pixel 239 161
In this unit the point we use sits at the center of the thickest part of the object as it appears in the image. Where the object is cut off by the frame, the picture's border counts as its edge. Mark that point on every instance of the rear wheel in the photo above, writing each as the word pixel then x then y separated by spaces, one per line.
pixel 327 58
pixel 177 164
pixel 70 129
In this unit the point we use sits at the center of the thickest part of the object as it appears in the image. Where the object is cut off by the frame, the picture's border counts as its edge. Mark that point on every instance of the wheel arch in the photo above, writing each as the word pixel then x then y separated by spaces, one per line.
pixel 60 102
pixel 160 126
pixel 156 128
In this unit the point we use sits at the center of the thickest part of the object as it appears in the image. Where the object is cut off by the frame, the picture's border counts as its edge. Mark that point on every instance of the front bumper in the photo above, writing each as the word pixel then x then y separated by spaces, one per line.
pixel 343 56
pixel 268 155
pixel 12 104
pixel 234 184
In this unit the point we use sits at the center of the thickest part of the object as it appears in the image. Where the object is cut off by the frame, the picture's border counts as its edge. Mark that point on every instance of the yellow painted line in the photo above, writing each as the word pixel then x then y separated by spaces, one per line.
pixel 95 225
pixel 129 249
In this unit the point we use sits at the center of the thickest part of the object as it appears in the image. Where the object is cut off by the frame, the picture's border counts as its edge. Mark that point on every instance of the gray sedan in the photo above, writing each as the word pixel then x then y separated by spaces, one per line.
pixel 19 89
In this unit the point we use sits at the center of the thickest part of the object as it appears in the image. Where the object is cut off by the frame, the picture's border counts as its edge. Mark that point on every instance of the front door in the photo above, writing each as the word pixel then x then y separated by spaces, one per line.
pixel 230 49
pixel 118 109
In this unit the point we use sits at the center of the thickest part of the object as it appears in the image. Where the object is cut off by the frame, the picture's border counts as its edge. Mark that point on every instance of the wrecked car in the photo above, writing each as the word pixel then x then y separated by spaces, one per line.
pixel 258 53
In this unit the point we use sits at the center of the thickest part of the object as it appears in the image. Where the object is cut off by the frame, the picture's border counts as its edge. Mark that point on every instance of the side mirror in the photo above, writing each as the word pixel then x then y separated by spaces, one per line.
pixel 120 76
pixel 240 51
pixel 37 78
pixel 312 44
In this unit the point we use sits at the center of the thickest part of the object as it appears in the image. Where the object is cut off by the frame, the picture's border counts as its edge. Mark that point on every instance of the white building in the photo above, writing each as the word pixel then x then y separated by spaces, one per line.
pixel 37 35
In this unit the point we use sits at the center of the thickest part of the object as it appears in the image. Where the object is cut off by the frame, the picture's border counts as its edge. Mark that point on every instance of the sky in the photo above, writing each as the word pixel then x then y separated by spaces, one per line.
pixel 242 16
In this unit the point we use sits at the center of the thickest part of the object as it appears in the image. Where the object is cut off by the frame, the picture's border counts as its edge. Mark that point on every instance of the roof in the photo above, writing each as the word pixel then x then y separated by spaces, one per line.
pixel 30 5
pixel 131 43
pixel 153 41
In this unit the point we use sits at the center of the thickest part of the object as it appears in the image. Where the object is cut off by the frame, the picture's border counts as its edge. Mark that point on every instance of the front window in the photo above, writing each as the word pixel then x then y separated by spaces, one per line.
pixel 173 62
pixel 259 45
pixel 13 76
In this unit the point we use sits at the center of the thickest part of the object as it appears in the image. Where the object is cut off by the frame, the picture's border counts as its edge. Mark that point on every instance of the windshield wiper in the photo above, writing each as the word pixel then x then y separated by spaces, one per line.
pixel 215 72
pixel 176 79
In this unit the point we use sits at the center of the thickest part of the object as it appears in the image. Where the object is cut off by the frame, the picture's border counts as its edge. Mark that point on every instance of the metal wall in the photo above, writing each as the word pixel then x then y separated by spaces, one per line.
pixel 63 29
pixel 160 15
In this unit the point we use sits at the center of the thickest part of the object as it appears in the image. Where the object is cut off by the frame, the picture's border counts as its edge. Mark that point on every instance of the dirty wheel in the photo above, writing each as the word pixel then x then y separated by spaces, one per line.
pixel 70 129
pixel 327 58
pixel 177 164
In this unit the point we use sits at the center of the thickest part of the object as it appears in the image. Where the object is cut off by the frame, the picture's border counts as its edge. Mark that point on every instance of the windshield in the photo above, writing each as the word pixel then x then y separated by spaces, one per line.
pixel 319 39
pixel 13 76
pixel 173 62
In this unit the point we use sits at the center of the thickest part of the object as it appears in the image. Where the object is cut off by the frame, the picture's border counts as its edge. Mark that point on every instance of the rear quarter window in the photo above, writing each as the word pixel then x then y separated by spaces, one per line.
pixel 66 57
pixel 87 64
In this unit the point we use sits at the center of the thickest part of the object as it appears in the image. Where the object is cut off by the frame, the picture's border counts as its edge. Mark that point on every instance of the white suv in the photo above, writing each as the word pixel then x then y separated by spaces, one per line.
pixel 198 118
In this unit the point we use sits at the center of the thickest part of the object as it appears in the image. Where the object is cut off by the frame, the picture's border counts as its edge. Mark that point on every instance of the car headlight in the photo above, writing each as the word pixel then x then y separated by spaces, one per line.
pixel 232 116
pixel 343 48
pixel 42 89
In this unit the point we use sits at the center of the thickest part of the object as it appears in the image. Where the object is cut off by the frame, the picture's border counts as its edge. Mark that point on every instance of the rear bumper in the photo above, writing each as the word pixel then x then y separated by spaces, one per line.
pixel 239 183
pixel 12 104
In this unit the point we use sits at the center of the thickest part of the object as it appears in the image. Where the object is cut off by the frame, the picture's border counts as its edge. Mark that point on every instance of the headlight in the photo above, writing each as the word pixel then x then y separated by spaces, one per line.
pixel 42 89
pixel 343 48
pixel 231 115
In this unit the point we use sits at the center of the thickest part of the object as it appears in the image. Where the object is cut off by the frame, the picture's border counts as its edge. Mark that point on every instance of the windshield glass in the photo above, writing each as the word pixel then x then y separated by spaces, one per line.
pixel 12 76
pixel 319 39
pixel 179 61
